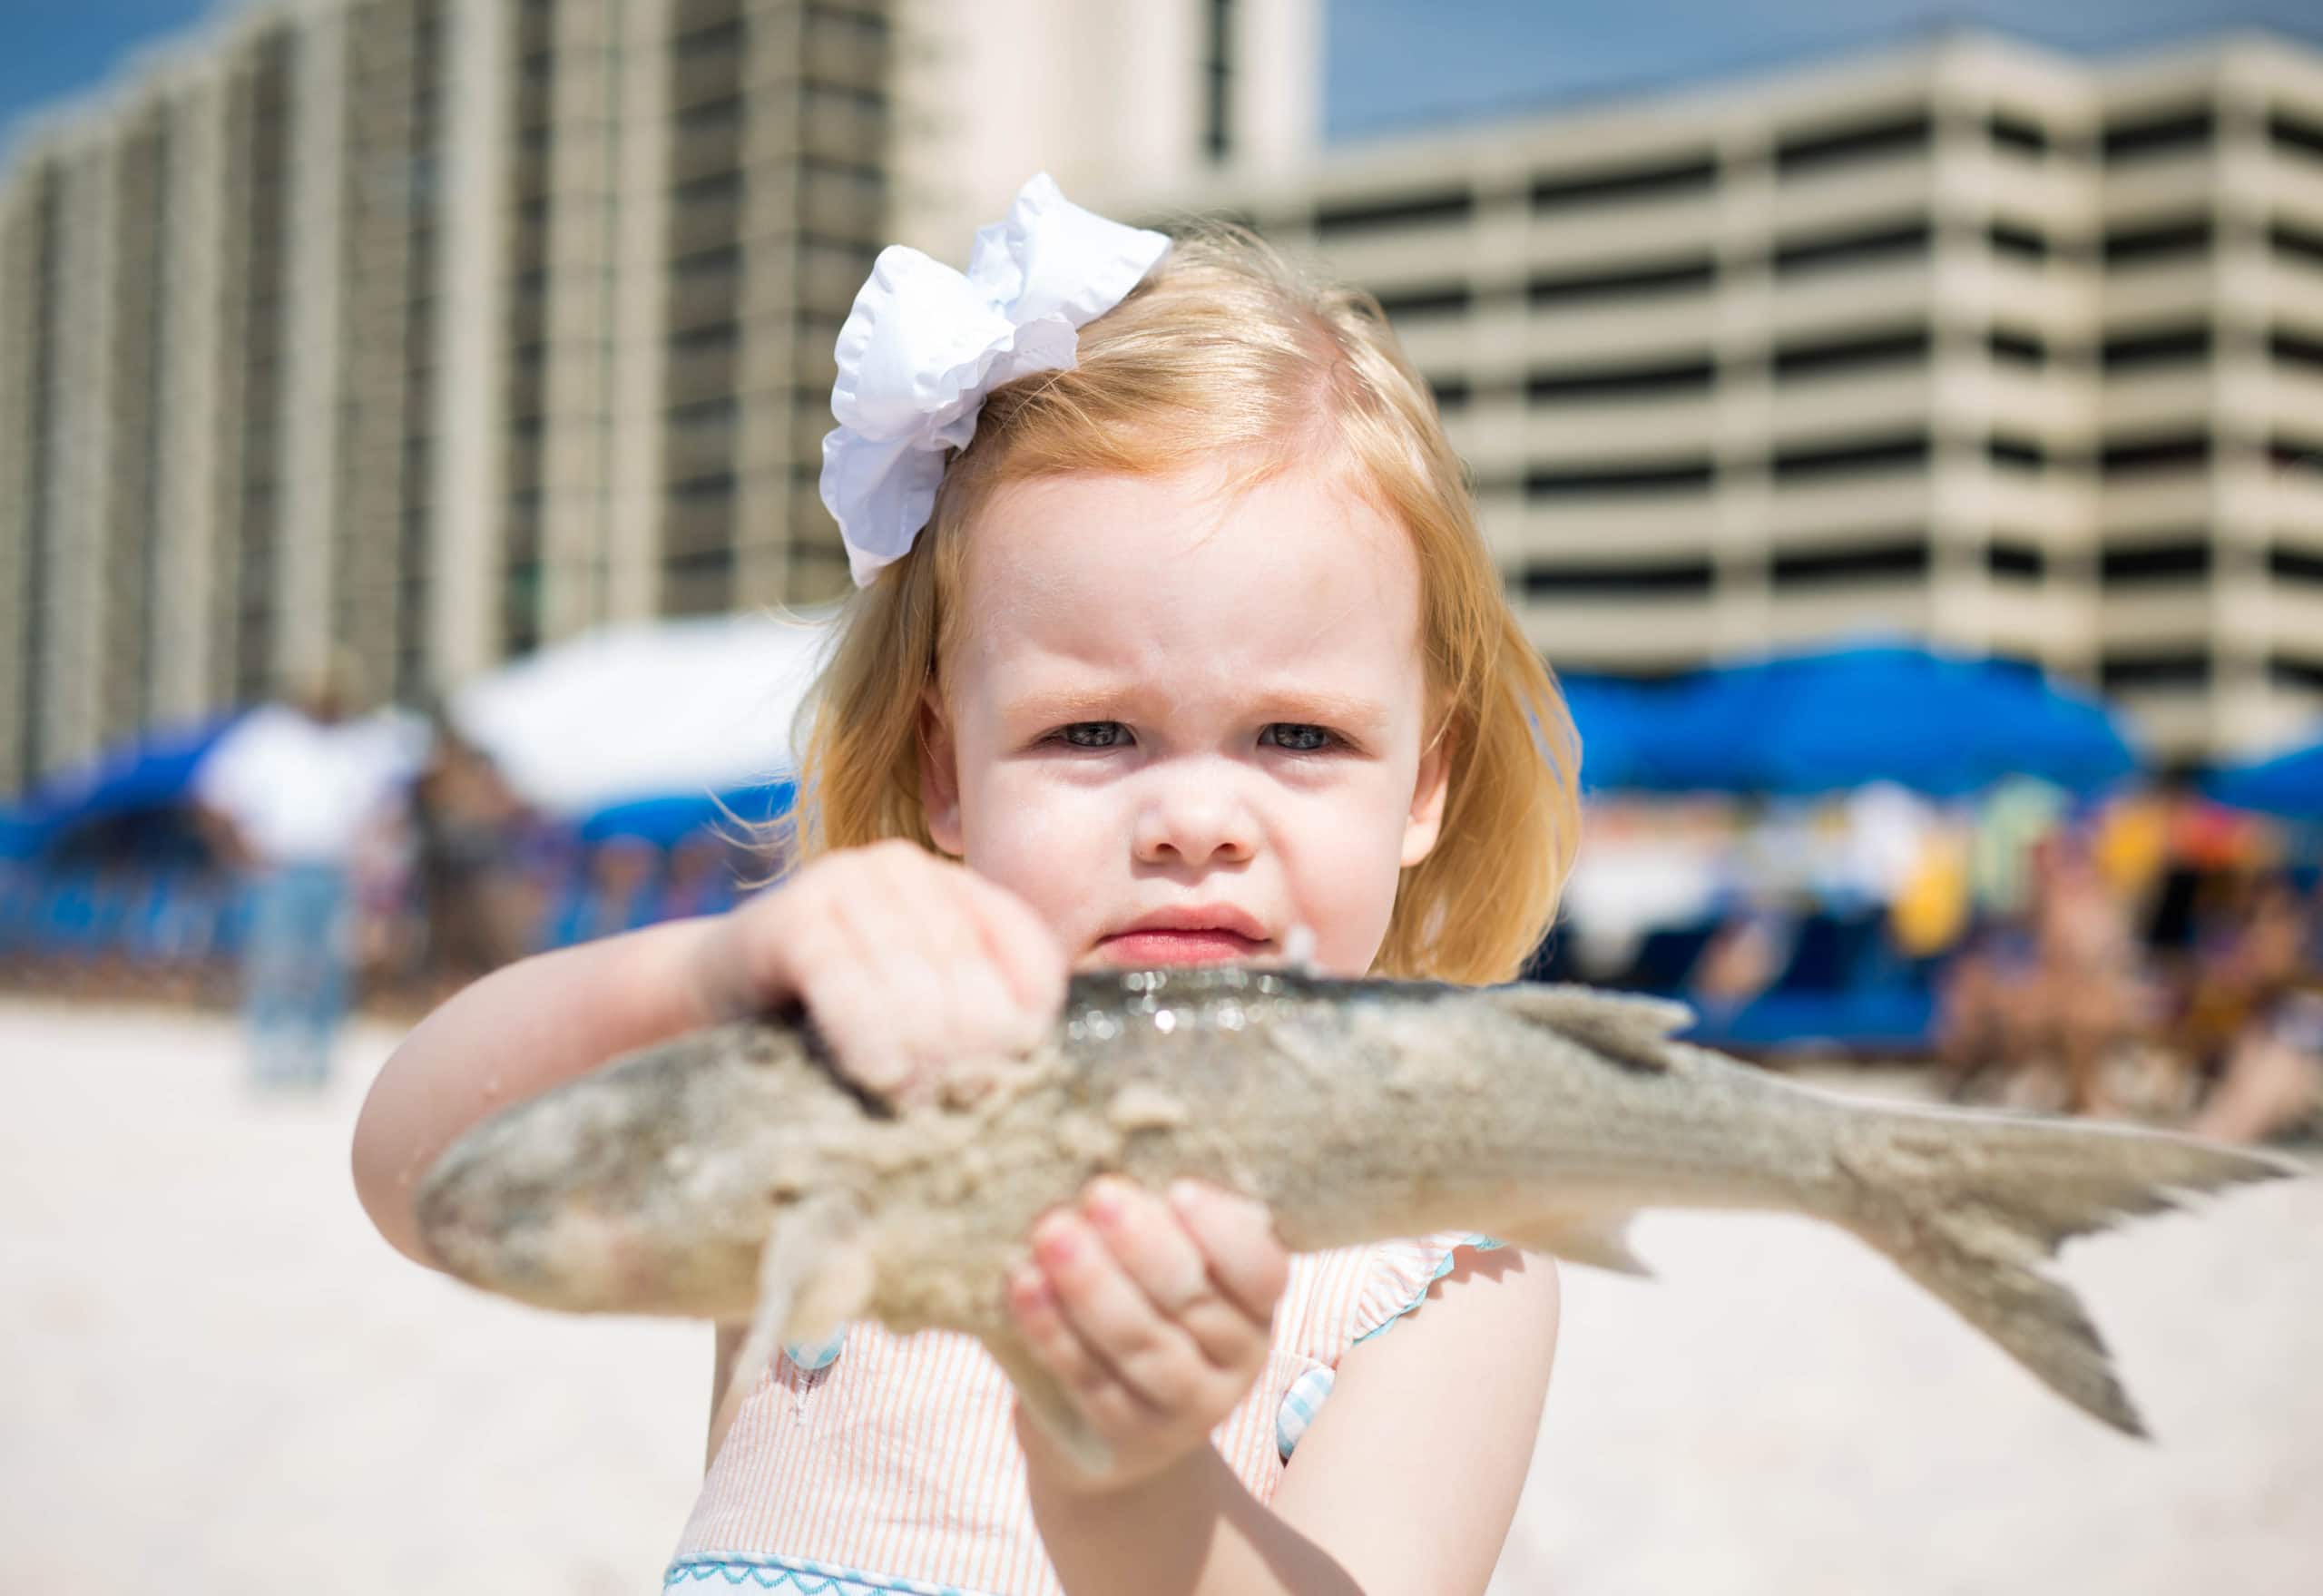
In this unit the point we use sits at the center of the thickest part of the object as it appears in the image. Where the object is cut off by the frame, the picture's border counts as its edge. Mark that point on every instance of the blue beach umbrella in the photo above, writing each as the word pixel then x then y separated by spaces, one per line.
pixel 1617 721
pixel 152 772
pixel 665 819
pixel 2289 784
pixel 1943 726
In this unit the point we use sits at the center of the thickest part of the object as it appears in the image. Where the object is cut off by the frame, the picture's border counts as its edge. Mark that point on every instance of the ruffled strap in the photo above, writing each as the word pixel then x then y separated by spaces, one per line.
pixel 1401 1274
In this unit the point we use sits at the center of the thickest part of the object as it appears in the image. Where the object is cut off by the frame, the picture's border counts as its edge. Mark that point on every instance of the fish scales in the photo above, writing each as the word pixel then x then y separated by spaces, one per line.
pixel 734 1175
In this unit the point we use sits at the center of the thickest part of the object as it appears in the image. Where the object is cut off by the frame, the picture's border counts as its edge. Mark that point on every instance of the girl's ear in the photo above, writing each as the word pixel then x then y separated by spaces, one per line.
pixel 1425 822
pixel 939 775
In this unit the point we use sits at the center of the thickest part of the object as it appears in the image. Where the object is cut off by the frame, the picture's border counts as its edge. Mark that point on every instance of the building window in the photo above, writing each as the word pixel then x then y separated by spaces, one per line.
pixel 2009 130
pixel 2292 671
pixel 2303 565
pixel 1594 382
pixel 1452 392
pixel 1692 475
pixel 1845 459
pixel 2295 133
pixel 2023 243
pixel 1874 141
pixel 2304 243
pixel 2137 456
pixel 718 39
pixel 2016 452
pixel 1614 577
pixel 2016 348
pixel 1672 277
pixel 2006 557
pixel 2174 133
pixel 2285 453
pixel 1824 356
pixel 2174 346
pixel 1217 79
pixel 1417 304
pixel 1884 562
pixel 1690 174
pixel 1859 248
pixel 2154 242
pixel 2189 668
pixel 2181 559
pixel 2290 348
pixel 1333 221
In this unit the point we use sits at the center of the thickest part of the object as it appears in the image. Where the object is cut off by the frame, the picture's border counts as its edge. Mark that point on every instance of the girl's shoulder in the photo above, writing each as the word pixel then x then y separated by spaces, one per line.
pixel 1334 1302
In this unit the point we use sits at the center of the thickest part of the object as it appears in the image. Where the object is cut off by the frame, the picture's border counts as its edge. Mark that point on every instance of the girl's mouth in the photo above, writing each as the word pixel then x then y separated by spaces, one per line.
pixel 1191 946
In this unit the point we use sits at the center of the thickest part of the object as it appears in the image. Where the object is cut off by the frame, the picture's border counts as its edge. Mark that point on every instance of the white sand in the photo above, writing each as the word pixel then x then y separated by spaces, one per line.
pixel 213 1377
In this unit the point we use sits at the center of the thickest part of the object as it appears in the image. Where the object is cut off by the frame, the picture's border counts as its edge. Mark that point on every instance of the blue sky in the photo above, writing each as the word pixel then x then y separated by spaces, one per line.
pixel 1393 63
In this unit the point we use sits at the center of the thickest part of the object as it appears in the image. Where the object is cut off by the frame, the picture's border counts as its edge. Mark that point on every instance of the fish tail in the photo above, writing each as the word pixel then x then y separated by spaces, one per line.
pixel 1971 1206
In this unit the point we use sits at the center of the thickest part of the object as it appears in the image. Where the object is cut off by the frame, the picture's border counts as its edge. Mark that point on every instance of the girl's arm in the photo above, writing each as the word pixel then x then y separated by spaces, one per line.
pixel 1411 1472
pixel 1408 1479
pixel 902 958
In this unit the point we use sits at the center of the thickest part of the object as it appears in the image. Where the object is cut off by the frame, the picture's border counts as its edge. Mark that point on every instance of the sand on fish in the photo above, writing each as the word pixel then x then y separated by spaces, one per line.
pixel 214 1378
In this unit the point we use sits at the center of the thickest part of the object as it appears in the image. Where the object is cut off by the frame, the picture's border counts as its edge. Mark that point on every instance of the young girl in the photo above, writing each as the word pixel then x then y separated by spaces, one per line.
pixel 1177 635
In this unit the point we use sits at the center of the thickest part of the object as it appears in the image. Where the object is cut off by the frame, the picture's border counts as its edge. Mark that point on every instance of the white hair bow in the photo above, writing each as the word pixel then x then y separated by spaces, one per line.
pixel 923 344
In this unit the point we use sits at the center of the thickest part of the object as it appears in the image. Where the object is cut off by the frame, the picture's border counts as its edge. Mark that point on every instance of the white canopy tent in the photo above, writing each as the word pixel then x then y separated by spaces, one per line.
pixel 642 711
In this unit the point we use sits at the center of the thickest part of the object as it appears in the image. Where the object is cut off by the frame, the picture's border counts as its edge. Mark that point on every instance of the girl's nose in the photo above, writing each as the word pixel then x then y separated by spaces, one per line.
pixel 1194 819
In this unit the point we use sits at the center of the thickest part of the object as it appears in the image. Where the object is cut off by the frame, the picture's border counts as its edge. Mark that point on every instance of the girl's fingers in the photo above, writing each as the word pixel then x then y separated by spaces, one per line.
pixel 1150 1355
pixel 1159 1255
pixel 1247 1261
pixel 1108 1401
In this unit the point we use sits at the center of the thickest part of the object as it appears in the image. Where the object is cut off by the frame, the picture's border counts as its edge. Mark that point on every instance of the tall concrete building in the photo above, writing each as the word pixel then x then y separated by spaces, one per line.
pixel 421 332
pixel 417 332
pixel 1970 342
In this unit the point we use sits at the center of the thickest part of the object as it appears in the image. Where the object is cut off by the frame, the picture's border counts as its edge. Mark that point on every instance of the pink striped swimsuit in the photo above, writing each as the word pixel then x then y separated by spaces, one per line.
pixel 894 1466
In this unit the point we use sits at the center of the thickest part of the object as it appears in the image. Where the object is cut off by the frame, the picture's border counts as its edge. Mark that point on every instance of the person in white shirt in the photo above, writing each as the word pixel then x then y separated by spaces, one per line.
pixel 290 793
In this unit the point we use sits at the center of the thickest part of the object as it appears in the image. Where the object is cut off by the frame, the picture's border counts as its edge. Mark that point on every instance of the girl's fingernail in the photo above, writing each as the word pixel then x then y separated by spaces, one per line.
pixel 1185 1196
pixel 1054 1241
pixel 1104 1200
pixel 1028 1285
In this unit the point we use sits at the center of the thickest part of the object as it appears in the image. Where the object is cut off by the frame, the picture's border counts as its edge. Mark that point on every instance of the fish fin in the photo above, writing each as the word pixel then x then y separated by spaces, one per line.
pixel 794 1258
pixel 1631 1030
pixel 1971 1205
pixel 1600 1240
pixel 1046 1400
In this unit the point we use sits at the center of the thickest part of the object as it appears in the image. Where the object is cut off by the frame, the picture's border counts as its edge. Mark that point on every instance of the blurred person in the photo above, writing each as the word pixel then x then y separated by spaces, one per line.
pixel 700 879
pixel 2260 1013
pixel 1200 650
pixel 466 825
pixel 617 890
pixel 2092 998
pixel 2039 1004
pixel 289 796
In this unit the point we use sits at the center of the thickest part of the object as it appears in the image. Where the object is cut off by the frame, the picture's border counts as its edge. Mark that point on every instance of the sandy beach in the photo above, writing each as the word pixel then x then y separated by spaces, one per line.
pixel 216 1378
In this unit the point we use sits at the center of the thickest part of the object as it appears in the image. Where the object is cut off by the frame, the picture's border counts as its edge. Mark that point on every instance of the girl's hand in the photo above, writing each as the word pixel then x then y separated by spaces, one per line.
pixel 904 961
pixel 1153 1313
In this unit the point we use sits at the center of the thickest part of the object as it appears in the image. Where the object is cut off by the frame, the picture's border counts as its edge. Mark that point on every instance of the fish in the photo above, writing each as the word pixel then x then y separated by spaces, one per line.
pixel 736 1174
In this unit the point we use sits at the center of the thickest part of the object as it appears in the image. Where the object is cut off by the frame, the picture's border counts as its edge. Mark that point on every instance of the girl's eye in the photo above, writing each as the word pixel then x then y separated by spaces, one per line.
pixel 1297 738
pixel 1094 734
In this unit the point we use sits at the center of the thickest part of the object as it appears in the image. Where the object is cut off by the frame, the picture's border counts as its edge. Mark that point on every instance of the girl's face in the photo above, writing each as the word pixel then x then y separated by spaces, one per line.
pixel 1180 724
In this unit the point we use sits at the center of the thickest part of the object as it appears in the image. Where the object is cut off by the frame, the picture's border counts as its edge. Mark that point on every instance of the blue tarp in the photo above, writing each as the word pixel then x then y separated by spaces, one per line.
pixel 667 819
pixel 2289 784
pixel 156 771
pixel 1617 721
pixel 1830 721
